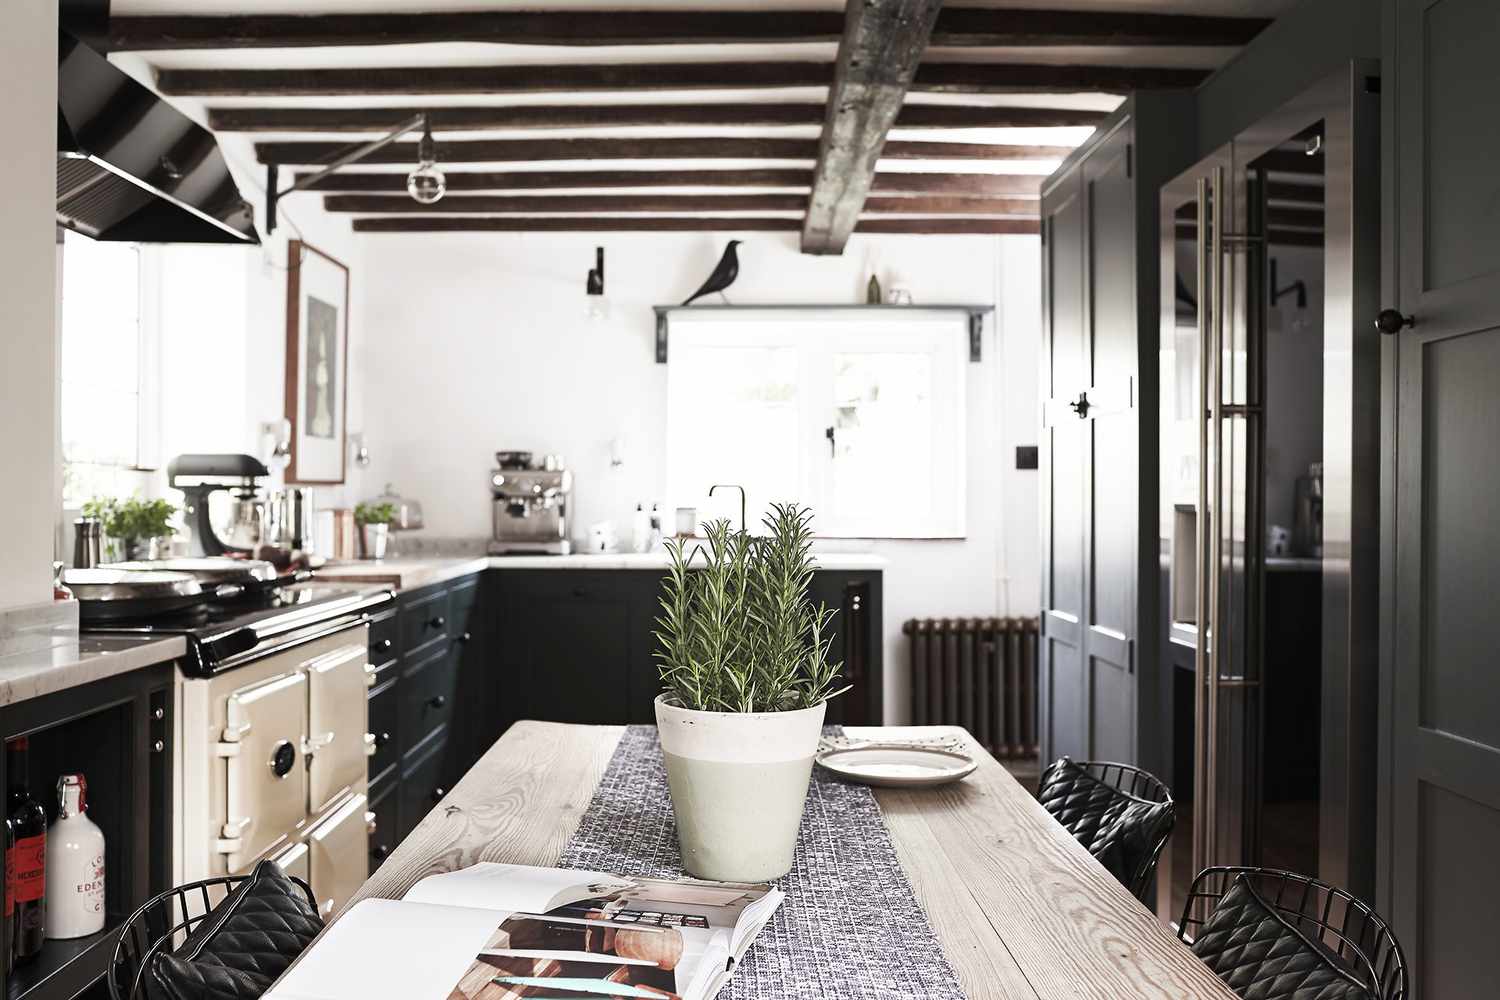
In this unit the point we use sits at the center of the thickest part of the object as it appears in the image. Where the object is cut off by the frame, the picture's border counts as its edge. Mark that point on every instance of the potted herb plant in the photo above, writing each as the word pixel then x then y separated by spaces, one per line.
pixel 745 666
pixel 374 521
pixel 135 528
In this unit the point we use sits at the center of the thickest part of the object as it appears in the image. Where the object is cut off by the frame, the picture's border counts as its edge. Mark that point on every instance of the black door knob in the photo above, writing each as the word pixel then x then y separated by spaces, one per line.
pixel 438 622
pixel 1391 321
pixel 438 793
pixel 438 700
pixel 381 739
pixel 380 851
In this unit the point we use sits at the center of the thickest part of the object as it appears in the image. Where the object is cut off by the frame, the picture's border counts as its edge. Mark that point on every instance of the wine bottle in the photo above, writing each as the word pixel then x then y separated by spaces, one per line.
pixel 75 865
pixel 27 861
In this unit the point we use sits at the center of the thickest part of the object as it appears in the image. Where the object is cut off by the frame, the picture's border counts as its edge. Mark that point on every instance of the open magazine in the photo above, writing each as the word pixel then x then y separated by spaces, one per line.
pixel 497 932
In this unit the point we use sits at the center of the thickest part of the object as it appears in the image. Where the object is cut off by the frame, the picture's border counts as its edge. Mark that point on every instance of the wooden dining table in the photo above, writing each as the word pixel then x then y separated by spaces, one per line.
pixel 1021 909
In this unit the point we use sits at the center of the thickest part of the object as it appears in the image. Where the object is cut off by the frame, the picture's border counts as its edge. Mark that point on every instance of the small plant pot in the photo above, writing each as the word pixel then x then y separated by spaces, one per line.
pixel 739 782
pixel 373 539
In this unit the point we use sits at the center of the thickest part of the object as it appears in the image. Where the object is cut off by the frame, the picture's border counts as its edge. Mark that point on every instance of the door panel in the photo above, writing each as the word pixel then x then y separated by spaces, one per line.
pixel 267 779
pixel 337 722
pixel 339 849
pixel 1442 817
pixel 1062 686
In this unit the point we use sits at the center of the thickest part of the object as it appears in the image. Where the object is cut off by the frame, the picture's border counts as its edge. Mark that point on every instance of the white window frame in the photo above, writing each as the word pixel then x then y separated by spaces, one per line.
pixel 818 335
pixel 148 458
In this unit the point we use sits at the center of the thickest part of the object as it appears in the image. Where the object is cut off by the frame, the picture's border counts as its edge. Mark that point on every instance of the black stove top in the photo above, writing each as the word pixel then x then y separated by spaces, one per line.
pixel 222 635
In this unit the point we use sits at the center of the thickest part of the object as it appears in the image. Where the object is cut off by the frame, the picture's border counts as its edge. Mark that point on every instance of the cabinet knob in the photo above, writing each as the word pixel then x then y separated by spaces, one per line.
pixel 465 637
pixel 157 746
pixel 438 700
pixel 384 644
pixel 158 713
pixel 1391 321
pixel 381 739
pixel 380 852
pixel 438 793
pixel 437 622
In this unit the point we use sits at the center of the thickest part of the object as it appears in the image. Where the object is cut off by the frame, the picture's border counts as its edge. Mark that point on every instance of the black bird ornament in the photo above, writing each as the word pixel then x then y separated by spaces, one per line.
pixel 722 277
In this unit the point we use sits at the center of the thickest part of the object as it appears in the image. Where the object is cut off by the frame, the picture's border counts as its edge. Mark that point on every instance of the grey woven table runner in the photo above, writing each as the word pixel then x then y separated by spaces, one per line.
pixel 850 927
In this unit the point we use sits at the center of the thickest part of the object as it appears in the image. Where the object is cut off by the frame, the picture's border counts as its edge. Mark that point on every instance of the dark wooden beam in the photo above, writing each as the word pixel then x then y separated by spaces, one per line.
pixel 879 52
pixel 656 224
pixel 714 204
pixel 956 27
pixel 710 148
pixel 975 78
pixel 379 120
pixel 892 183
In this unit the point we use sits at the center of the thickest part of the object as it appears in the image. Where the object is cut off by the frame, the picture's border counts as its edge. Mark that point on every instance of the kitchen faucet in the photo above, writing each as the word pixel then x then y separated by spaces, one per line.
pixel 733 486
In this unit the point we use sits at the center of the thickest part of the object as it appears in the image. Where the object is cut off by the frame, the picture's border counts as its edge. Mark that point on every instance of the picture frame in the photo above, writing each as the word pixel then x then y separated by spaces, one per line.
pixel 317 365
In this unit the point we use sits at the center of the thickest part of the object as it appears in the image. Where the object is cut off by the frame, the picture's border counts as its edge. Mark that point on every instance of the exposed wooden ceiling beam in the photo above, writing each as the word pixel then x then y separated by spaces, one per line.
pixel 377 120
pixel 367 204
pixel 956 27
pixel 957 78
pixel 891 183
pixel 879 52
pixel 644 224
pixel 714 148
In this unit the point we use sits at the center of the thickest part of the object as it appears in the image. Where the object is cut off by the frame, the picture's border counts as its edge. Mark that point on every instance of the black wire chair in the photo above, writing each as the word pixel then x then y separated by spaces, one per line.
pixel 1341 922
pixel 1089 804
pixel 162 923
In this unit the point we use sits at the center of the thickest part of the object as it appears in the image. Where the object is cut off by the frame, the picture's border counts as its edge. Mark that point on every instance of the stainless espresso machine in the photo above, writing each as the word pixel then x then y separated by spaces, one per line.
pixel 530 505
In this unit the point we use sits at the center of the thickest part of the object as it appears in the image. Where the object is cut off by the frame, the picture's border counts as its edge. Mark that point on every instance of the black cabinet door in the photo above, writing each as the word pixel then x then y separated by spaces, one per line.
pixel 570 635
pixel 855 599
pixel 1441 536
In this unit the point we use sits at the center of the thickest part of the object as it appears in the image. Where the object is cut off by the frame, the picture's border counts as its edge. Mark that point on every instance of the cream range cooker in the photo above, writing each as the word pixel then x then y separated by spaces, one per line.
pixel 272 737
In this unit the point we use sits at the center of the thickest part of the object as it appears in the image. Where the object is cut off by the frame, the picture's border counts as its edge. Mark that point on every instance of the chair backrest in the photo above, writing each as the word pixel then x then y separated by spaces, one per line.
pixel 1087 797
pixel 162 923
pixel 1340 921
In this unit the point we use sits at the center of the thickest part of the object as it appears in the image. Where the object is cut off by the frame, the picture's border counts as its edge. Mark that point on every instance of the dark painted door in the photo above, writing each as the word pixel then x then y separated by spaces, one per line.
pixel 1061 704
pixel 1091 460
pixel 1442 812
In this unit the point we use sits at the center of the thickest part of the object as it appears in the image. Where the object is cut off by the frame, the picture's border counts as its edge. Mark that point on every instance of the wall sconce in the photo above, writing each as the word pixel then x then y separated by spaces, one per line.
pixel 276 443
pixel 594 288
pixel 358 450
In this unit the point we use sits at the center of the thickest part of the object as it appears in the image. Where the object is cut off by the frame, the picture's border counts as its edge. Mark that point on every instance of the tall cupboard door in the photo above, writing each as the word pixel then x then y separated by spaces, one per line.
pixel 1441 704
pixel 1061 701
pixel 1091 458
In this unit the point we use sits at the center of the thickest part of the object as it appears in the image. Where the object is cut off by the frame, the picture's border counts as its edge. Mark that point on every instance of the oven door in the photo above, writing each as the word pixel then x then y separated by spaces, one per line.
pixel 339 848
pixel 266 787
pixel 338 717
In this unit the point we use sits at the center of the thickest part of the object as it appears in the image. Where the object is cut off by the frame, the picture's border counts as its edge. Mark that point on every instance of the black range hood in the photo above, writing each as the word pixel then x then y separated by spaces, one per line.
pixel 131 167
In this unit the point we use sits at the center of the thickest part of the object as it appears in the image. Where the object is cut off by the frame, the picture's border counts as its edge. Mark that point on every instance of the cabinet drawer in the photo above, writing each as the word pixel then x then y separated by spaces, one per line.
pixel 384 803
pixel 385 716
pixel 422 786
pixel 385 638
pixel 462 600
pixel 423 621
pixel 425 694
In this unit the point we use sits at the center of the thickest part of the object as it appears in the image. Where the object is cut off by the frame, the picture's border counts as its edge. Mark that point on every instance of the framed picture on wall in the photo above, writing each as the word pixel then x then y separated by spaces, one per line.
pixel 317 363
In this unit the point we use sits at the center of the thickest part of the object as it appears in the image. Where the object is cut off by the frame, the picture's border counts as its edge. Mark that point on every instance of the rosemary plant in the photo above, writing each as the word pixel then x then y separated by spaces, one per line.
pixel 737 631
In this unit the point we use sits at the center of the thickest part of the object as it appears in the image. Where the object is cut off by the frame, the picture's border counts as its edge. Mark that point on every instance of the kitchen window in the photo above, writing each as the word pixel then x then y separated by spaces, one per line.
pixel 109 368
pixel 859 417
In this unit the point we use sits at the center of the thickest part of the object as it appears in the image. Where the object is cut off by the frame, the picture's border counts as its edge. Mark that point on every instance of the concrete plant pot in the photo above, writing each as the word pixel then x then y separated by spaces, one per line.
pixel 739 782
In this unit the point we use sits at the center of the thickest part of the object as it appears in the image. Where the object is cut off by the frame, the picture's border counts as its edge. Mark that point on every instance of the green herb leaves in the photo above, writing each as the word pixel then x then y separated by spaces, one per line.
pixel 738 632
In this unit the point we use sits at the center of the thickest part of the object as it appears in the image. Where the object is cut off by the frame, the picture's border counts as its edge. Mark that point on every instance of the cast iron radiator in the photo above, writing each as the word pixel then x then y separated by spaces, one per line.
pixel 979 673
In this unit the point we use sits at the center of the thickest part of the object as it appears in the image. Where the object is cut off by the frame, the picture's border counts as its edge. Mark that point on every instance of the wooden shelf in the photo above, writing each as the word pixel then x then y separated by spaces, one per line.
pixel 66 968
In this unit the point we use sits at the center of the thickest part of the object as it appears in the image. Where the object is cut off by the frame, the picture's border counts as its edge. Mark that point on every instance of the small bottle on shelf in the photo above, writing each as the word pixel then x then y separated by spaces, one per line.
pixel 26 857
pixel 75 865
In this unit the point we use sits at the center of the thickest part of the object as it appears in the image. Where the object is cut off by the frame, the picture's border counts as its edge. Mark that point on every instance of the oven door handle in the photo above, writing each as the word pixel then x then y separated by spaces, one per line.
pixel 315 743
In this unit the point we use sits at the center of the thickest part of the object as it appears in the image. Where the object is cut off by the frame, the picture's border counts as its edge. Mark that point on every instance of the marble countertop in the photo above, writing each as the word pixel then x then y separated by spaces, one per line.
pixel 409 573
pixel 37 672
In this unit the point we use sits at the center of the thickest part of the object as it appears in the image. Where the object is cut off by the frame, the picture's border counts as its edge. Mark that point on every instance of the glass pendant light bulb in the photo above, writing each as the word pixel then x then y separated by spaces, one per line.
pixel 426 184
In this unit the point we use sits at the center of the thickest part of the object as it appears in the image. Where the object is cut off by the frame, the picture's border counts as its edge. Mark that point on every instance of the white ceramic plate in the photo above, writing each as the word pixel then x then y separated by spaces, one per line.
pixel 891 767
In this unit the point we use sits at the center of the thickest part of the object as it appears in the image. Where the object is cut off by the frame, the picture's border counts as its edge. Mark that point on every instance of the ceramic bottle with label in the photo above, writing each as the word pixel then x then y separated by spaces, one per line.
pixel 75 865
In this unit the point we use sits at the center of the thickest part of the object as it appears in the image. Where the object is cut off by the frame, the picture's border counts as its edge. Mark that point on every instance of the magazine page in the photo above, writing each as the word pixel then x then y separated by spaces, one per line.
pixel 492 886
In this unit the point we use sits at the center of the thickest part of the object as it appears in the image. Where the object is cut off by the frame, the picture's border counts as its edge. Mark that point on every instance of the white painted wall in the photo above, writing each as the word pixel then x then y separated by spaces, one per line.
pixel 473 343
pixel 28 338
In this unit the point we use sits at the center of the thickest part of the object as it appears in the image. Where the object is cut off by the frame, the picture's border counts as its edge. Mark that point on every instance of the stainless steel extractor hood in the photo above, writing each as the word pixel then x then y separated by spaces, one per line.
pixel 132 167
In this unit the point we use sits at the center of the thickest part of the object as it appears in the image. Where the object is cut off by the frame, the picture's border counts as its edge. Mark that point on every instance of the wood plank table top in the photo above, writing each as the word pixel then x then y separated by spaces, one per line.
pixel 1022 909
